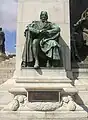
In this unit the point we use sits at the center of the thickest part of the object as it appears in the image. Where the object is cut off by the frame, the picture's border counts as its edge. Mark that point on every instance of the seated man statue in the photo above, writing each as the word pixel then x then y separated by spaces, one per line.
pixel 41 36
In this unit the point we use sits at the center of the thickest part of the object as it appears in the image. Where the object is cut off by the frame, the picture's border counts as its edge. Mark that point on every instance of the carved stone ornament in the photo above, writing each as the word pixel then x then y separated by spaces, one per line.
pixel 20 103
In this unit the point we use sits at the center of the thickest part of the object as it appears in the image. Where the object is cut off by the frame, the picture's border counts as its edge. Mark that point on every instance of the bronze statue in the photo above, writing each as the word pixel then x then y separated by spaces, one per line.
pixel 80 38
pixel 2 41
pixel 42 40
pixel 82 26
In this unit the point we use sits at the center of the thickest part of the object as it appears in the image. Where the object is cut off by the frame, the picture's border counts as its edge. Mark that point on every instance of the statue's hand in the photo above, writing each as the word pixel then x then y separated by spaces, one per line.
pixel 75 25
pixel 44 31
pixel 40 31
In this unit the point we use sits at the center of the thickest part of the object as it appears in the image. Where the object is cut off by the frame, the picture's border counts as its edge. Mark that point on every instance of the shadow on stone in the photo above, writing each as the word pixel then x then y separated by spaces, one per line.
pixel 39 70
pixel 80 102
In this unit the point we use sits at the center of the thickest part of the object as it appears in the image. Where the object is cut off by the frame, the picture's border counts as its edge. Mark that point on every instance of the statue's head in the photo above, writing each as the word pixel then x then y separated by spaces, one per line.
pixel 43 16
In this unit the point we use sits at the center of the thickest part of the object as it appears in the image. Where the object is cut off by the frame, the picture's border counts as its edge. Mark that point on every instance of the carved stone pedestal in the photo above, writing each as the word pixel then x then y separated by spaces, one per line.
pixel 47 97
pixel 42 79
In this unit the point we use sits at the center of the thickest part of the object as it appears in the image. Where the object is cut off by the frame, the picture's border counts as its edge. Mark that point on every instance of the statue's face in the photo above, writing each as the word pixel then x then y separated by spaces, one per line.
pixel 43 16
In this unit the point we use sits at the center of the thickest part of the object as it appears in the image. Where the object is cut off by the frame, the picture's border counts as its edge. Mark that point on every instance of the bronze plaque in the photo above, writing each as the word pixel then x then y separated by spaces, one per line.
pixel 43 96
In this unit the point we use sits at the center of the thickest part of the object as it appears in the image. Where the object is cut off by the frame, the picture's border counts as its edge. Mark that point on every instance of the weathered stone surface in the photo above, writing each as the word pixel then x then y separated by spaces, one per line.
pixel 21 103
pixel 68 103
pixel 71 106
pixel 30 115
pixel 7 68
pixel 44 106
pixel 65 99
pixel 20 98
pixel 13 106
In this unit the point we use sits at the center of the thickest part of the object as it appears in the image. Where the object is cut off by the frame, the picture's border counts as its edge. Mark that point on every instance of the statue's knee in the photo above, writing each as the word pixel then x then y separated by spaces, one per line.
pixel 35 42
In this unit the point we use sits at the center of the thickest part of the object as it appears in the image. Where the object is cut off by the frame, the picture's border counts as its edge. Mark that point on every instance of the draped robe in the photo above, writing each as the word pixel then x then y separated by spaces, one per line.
pixel 48 41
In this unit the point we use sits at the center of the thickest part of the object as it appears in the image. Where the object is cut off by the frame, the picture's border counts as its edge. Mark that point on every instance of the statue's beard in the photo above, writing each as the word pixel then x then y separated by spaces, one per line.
pixel 43 20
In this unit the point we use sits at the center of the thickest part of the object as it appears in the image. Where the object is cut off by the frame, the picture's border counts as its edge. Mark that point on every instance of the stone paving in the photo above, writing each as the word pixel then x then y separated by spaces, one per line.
pixel 43 119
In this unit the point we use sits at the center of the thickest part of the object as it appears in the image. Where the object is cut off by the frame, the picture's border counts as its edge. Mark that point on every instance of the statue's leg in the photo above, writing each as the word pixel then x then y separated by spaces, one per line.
pixel 24 61
pixel 36 52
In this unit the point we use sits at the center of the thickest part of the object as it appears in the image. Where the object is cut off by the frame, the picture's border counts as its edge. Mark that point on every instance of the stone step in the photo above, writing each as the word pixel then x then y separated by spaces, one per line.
pixel 8 62
pixel 2 80
pixel 64 88
pixel 36 115
pixel 42 75
pixel 7 68
pixel 7 65
pixel 5 76
pixel 5 98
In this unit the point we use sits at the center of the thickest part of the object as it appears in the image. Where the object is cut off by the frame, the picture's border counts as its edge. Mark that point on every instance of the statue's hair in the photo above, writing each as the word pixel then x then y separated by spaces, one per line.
pixel 44 12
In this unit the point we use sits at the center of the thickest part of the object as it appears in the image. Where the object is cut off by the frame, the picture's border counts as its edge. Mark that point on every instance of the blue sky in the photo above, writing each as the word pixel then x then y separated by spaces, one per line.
pixel 8 16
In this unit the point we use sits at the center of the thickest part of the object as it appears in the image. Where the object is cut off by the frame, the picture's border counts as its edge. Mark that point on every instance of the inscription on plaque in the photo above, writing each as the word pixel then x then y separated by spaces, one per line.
pixel 43 96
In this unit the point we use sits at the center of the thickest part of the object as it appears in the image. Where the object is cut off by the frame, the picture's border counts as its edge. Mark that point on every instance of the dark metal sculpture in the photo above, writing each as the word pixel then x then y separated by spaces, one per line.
pixel 82 26
pixel 79 38
pixel 42 43
pixel 2 41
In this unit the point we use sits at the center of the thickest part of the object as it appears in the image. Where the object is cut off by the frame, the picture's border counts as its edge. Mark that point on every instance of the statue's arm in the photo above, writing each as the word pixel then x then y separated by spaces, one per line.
pixel 32 27
pixel 54 29
pixel 80 22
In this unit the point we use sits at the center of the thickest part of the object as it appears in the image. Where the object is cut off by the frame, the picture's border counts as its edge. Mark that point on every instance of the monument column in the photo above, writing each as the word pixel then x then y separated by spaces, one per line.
pixel 45 92
pixel 51 79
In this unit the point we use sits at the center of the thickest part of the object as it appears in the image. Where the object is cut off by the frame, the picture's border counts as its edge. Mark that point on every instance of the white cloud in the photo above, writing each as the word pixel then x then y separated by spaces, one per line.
pixel 8 13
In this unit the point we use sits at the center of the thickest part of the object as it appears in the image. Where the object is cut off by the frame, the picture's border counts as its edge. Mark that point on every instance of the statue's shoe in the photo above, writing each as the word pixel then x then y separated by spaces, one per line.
pixel 36 66
pixel 23 64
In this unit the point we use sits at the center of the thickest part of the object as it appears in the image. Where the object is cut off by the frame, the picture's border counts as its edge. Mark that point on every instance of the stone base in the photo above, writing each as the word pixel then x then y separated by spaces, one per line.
pixel 42 79
pixel 32 115
pixel 42 75
pixel 19 89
